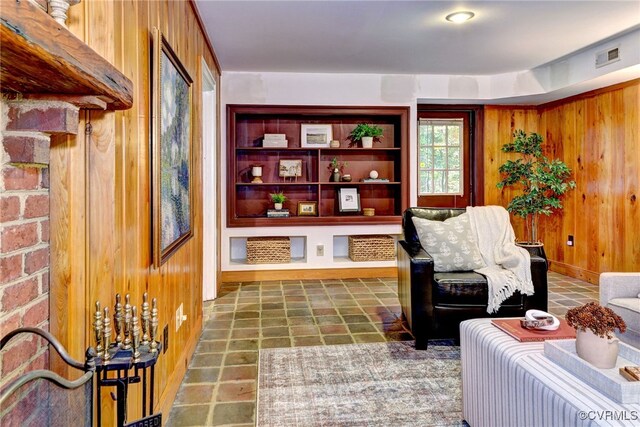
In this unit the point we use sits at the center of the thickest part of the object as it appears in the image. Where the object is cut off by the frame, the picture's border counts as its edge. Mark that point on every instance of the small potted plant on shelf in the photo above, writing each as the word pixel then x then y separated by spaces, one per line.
pixel 595 339
pixel 336 168
pixel 278 199
pixel 365 133
pixel 542 181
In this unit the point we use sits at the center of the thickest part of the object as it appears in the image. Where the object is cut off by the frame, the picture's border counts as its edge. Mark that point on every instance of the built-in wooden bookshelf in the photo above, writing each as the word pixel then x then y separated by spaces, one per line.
pixel 248 202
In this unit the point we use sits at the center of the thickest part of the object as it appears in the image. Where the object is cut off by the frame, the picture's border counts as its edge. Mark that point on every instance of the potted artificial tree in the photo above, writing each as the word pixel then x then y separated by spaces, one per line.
pixel 278 199
pixel 542 181
pixel 365 133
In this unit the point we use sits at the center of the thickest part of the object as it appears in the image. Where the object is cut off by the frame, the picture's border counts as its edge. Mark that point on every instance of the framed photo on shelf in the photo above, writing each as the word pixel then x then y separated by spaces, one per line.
pixel 291 168
pixel 348 200
pixel 171 151
pixel 315 136
pixel 308 208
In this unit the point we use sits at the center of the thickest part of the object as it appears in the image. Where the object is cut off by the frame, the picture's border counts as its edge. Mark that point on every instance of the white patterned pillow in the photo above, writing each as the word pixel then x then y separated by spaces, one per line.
pixel 451 243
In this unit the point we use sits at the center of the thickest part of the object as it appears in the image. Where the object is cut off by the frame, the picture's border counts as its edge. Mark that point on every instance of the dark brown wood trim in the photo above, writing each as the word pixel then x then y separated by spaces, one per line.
pixel 589 94
pixel 478 158
pixel 510 107
pixel 39 55
pixel 477 145
pixel 400 115
pixel 205 35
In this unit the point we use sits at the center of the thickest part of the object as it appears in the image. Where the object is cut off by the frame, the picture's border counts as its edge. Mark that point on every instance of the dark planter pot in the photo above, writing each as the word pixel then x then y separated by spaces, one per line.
pixel 536 249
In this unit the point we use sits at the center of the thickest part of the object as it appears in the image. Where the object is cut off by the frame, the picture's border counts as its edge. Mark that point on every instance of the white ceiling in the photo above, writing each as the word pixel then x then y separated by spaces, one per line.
pixel 407 37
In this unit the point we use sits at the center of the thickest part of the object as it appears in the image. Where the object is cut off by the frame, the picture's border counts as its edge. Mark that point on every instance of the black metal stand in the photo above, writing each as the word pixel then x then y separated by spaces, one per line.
pixel 115 372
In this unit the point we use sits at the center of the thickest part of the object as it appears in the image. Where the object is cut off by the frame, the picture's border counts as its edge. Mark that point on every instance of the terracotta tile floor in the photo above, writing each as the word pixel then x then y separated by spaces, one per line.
pixel 220 385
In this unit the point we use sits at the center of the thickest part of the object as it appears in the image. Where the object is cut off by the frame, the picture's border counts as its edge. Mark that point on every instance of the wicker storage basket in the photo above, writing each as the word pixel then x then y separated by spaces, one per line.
pixel 372 248
pixel 268 250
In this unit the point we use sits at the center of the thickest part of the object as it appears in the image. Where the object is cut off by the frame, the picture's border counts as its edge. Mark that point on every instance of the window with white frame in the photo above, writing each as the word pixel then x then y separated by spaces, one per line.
pixel 440 157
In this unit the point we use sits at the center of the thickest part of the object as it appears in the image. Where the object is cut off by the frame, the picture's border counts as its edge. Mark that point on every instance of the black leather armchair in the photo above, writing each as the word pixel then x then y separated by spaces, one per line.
pixel 434 304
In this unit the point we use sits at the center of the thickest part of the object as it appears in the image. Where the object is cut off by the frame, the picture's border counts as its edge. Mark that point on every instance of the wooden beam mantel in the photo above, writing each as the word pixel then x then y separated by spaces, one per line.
pixel 40 56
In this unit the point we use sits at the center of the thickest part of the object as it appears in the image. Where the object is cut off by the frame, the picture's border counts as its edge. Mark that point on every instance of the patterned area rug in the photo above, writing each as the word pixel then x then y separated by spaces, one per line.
pixel 381 384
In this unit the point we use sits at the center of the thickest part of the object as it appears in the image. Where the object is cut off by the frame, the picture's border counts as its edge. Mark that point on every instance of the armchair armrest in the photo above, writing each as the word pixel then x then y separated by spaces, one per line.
pixel 618 285
pixel 415 289
pixel 416 253
pixel 539 299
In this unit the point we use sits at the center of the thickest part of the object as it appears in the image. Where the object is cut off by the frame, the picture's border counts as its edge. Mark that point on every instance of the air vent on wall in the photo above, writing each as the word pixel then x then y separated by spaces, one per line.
pixel 608 56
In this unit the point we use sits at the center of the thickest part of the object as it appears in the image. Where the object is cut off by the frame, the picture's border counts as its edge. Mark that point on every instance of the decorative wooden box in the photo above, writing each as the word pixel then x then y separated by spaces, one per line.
pixel 375 247
pixel 268 250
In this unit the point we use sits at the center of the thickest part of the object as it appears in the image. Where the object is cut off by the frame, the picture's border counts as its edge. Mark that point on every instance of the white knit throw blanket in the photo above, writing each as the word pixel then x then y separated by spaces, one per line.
pixel 508 266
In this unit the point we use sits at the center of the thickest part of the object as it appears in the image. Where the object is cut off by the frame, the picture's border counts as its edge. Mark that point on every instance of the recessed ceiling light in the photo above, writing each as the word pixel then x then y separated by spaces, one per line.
pixel 460 17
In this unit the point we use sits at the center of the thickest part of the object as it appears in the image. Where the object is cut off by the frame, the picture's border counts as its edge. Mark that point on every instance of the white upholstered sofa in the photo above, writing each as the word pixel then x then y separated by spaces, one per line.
pixel 621 293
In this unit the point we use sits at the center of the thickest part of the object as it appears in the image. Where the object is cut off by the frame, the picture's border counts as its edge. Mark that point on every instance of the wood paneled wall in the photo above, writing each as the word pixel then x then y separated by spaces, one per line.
pixel 598 135
pixel 101 200
pixel 499 124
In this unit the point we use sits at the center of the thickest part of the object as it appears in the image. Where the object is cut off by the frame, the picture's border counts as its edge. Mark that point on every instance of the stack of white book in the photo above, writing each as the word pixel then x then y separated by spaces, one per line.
pixel 275 140
pixel 277 213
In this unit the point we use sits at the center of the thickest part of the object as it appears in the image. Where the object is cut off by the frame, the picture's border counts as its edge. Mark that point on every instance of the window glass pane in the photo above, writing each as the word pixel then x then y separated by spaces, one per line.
pixel 439 182
pixel 424 159
pixel 439 134
pixel 439 158
pixel 453 185
pixel 425 135
pixel 454 158
pixel 453 135
pixel 440 154
pixel 424 182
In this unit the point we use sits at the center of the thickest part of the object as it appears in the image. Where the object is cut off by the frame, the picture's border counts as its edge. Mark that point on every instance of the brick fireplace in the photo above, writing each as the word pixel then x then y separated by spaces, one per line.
pixel 26 127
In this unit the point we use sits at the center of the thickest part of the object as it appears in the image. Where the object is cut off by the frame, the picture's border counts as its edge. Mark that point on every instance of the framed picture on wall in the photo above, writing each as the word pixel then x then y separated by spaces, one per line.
pixel 171 151
pixel 315 136
pixel 348 200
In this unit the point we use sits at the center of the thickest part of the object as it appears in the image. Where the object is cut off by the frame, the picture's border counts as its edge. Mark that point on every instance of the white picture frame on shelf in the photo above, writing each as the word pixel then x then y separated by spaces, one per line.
pixel 348 200
pixel 315 135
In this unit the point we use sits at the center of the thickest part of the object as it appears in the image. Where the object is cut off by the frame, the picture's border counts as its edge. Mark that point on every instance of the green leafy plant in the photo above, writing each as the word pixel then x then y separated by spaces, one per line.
pixel 363 130
pixel 278 197
pixel 542 181
pixel 335 164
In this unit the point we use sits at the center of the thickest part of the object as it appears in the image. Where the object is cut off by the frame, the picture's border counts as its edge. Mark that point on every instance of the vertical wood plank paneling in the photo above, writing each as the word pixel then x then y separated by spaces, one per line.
pixel 101 210
pixel 631 128
pixel 499 124
pixel 600 142
pixel 597 135
pixel 67 303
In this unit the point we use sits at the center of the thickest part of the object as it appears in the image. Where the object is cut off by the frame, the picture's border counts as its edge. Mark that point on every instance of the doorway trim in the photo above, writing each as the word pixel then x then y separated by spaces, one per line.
pixel 210 235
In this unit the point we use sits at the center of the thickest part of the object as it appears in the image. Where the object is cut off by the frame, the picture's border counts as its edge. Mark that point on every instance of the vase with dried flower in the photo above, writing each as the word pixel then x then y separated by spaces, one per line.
pixel 336 168
pixel 595 339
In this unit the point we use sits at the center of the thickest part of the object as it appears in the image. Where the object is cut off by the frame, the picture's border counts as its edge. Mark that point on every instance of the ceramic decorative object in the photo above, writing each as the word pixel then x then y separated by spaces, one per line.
pixel 58 10
pixel 277 206
pixel 256 172
pixel 373 174
pixel 334 143
pixel 346 178
pixel 336 175
pixel 600 352
pixel 367 142
pixel 595 340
